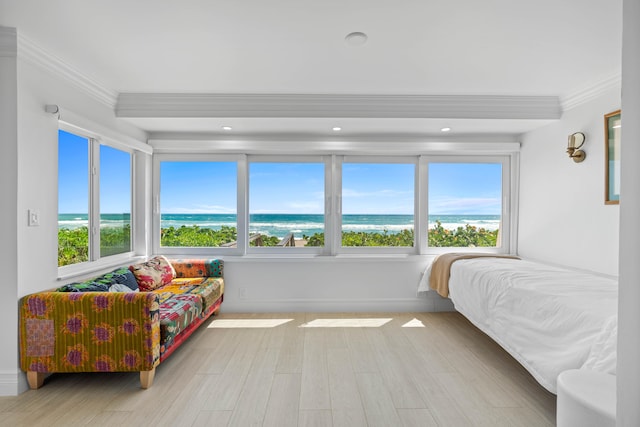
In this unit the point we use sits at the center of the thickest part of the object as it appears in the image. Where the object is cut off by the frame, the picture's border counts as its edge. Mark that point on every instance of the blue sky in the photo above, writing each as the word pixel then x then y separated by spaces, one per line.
pixel 295 188
pixel 73 173
pixel 465 188
pixel 198 187
pixel 470 188
pixel 73 177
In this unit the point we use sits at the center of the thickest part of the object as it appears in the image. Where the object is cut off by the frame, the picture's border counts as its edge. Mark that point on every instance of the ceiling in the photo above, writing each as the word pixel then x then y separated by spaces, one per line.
pixel 271 54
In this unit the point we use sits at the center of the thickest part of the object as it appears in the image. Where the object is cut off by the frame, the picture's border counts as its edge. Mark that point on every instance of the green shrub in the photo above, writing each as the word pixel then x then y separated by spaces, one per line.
pixel 73 245
pixel 467 236
pixel 361 238
pixel 194 236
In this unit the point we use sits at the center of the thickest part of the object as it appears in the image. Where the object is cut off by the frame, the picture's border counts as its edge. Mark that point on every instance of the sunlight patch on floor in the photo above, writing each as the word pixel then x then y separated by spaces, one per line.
pixel 347 323
pixel 415 323
pixel 247 323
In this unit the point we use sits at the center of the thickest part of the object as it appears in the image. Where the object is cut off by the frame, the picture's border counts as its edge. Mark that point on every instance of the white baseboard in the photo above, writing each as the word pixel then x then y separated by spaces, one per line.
pixel 13 383
pixel 336 305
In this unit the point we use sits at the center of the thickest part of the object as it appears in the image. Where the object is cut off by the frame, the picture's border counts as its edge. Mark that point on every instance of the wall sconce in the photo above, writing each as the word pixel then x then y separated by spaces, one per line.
pixel 576 140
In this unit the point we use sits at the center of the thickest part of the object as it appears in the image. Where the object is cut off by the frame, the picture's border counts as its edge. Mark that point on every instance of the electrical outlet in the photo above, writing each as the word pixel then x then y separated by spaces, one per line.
pixel 34 218
pixel 242 293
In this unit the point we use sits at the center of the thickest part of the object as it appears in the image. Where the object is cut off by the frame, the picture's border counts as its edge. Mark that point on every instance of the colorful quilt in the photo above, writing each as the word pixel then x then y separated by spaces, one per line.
pixel 198 267
pixel 208 288
pixel 176 313
pixel 89 332
pixel 182 301
pixel 81 331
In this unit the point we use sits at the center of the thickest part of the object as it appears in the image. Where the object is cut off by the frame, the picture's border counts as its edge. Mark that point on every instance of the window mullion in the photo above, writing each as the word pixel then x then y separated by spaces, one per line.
pixel 242 218
pixel 421 217
pixel 94 199
pixel 332 194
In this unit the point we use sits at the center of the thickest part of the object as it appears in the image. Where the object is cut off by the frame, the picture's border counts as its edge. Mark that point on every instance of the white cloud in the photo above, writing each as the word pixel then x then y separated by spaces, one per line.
pixel 469 205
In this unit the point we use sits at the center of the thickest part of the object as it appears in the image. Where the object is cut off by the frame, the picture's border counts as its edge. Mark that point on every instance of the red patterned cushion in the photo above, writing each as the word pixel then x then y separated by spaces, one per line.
pixel 154 273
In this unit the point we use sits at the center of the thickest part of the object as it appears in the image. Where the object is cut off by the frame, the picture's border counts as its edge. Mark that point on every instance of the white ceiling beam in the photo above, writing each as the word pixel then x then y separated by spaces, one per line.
pixel 139 105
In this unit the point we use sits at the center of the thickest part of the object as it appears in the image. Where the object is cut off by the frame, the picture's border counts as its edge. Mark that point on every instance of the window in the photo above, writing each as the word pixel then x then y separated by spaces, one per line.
pixel 465 203
pixel 286 203
pixel 198 203
pixel 94 199
pixel 338 204
pixel 115 201
pixel 378 204
pixel 73 198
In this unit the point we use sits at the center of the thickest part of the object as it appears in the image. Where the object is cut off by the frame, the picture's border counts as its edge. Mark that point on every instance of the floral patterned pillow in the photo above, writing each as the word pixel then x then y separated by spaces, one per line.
pixel 154 273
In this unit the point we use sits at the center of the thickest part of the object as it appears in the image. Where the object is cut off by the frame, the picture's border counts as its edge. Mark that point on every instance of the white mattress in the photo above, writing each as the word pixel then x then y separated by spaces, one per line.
pixel 549 319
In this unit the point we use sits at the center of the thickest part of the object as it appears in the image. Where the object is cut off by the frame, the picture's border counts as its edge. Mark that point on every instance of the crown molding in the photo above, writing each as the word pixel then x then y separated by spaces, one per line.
pixel 138 105
pixel 612 82
pixel 391 146
pixel 8 43
pixel 34 54
pixel 168 105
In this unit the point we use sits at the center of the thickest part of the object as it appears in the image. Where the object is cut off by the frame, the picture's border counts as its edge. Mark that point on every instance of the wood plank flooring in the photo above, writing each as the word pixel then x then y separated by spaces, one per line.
pixel 305 369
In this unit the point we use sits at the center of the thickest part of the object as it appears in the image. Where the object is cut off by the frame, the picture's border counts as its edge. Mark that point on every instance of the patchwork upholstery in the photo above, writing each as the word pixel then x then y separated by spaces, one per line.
pixel 182 301
pixel 198 267
pixel 89 332
pixel 176 313
pixel 81 330
pixel 154 273
pixel 210 289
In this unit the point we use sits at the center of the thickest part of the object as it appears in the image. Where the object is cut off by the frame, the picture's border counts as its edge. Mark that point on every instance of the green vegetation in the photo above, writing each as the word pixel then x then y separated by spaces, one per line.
pixel 361 238
pixel 73 245
pixel 467 236
pixel 462 237
pixel 115 240
pixel 195 236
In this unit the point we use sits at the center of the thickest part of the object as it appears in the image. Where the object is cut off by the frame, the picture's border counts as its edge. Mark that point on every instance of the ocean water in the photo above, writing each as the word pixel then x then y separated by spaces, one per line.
pixel 281 224
pixel 72 221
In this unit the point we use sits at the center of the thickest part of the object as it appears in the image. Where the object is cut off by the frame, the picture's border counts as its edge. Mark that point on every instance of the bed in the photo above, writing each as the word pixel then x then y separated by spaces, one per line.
pixel 548 318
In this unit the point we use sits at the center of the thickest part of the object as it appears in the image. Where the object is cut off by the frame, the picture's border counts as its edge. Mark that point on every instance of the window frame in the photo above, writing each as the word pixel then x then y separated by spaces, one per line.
pixel 506 242
pixel 338 249
pixel 95 261
pixel 328 220
pixel 506 154
pixel 241 204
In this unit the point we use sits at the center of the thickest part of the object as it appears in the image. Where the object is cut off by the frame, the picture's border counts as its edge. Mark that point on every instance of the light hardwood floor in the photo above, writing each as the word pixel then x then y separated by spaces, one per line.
pixel 302 369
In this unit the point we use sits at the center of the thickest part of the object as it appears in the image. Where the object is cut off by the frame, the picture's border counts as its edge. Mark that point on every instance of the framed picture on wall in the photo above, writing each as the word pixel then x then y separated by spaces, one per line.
pixel 612 126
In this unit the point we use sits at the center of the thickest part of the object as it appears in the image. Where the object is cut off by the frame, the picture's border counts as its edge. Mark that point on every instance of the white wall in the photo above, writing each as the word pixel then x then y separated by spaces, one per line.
pixel 8 212
pixel 563 218
pixel 38 168
pixel 628 386
pixel 329 284
pixel 28 168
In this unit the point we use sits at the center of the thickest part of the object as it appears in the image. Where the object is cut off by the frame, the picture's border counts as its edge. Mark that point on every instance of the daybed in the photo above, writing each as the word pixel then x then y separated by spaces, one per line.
pixel 550 319
pixel 107 324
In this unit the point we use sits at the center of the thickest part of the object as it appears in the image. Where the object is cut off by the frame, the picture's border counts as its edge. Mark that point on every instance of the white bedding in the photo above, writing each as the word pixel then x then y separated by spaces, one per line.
pixel 549 319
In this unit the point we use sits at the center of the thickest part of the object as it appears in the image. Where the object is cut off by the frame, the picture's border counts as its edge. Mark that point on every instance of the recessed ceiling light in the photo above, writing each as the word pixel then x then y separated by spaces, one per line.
pixel 445 129
pixel 336 128
pixel 227 127
pixel 356 38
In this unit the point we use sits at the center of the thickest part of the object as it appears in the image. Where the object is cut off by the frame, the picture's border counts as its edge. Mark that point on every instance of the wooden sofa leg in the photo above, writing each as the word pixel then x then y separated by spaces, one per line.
pixel 146 378
pixel 35 379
